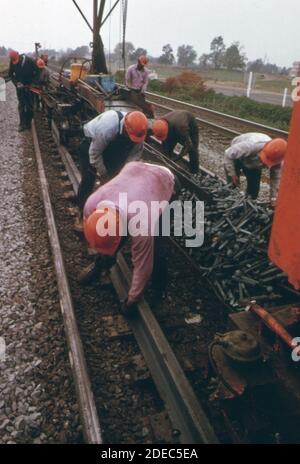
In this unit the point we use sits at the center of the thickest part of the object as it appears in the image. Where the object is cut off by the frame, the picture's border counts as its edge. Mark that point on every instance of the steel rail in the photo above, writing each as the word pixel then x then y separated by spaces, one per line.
pixel 211 125
pixel 186 413
pixel 182 173
pixel 85 397
pixel 273 130
pixel 231 132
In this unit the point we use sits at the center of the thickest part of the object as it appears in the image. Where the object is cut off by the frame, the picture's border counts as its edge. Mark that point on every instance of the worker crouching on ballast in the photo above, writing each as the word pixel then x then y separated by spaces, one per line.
pixel 140 182
pixel 250 153
pixel 112 139
pixel 179 127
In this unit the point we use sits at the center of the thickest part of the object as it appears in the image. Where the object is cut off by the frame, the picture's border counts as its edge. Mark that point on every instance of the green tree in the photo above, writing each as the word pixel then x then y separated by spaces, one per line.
pixel 82 51
pixel 217 47
pixel 167 56
pixel 234 58
pixel 118 51
pixel 134 56
pixel 3 51
pixel 205 60
pixel 186 55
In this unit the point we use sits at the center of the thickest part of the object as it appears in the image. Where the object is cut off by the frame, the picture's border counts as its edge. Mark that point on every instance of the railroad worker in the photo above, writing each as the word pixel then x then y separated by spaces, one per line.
pixel 250 153
pixel 111 140
pixel 23 71
pixel 43 78
pixel 45 58
pixel 179 127
pixel 137 79
pixel 140 182
pixel 40 83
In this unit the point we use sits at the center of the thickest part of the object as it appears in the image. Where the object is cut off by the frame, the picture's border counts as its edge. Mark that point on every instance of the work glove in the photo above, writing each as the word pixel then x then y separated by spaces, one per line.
pixel 235 181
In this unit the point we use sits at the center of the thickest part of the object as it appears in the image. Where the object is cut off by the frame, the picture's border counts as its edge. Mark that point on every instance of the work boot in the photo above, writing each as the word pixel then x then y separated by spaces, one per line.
pixel 90 273
pixel 129 312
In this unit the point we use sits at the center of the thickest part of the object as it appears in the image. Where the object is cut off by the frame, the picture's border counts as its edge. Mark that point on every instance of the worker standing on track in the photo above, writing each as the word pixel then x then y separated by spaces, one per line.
pixel 137 79
pixel 23 72
pixel 179 127
pixel 250 153
pixel 112 139
pixel 107 224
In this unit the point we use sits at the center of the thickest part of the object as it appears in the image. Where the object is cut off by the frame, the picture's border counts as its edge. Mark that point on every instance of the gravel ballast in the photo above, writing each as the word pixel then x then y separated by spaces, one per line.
pixel 37 398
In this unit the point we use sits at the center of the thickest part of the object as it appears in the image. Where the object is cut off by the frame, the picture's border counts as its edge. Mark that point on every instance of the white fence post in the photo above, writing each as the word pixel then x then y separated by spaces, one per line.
pixel 284 97
pixel 250 84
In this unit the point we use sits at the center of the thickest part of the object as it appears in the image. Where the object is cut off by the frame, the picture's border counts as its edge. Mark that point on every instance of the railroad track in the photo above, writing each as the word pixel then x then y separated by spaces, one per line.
pixel 236 216
pixel 228 125
pixel 185 412
pixel 88 413
pixel 233 271
pixel 215 120
pixel 233 259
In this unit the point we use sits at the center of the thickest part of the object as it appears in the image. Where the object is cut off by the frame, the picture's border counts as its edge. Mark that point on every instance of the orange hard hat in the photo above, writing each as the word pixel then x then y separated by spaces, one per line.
pixel 136 125
pixel 103 230
pixel 160 129
pixel 143 60
pixel 273 152
pixel 41 63
pixel 14 56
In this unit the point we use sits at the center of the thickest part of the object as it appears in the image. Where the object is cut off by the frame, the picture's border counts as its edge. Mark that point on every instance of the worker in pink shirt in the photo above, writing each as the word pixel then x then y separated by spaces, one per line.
pixel 137 181
pixel 137 79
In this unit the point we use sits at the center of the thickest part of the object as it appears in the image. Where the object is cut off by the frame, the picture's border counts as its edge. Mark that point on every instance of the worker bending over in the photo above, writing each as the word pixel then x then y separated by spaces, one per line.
pixel 23 71
pixel 43 78
pixel 137 79
pixel 112 139
pixel 250 153
pixel 141 182
pixel 179 127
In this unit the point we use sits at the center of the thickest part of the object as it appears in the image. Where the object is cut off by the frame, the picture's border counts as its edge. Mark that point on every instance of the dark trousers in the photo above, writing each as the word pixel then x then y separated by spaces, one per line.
pixel 116 155
pixel 138 98
pixel 253 177
pixel 88 174
pixel 193 148
pixel 160 265
pixel 190 146
pixel 25 99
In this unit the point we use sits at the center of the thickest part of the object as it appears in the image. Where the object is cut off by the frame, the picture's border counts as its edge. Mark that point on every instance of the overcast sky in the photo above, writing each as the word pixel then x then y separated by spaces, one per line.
pixel 266 28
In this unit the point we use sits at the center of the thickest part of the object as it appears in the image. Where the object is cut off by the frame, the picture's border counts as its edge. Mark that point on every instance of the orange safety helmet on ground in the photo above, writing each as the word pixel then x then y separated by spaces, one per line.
pixel 103 230
pixel 136 125
pixel 14 56
pixel 160 129
pixel 143 60
pixel 273 152
pixel 41 63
